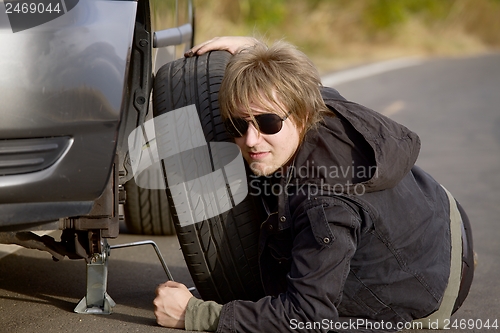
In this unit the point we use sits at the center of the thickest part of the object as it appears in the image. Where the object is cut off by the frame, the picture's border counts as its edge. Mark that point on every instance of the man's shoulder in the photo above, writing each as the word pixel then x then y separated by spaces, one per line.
pixel 331 94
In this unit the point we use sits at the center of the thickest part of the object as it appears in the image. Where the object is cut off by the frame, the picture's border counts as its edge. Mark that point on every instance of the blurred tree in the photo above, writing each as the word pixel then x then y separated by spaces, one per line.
pixel 358 30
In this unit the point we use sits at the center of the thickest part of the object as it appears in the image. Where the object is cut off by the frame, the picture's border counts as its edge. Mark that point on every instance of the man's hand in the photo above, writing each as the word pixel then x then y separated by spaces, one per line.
pixel 171 303
pixel 233 44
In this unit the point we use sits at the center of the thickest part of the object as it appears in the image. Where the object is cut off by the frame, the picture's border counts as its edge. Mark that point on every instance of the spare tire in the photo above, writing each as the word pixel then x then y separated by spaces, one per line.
pixel 221 253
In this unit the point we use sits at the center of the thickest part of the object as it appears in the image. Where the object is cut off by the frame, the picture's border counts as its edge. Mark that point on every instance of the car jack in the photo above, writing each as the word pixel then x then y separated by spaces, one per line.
pixel 97 300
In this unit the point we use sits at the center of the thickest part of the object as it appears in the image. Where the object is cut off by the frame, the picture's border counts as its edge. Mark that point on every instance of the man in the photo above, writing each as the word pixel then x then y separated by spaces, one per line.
pixel 358 238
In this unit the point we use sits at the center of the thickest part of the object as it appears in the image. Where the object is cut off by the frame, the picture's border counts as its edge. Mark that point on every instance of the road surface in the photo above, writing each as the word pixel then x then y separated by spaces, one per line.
pixel 453 104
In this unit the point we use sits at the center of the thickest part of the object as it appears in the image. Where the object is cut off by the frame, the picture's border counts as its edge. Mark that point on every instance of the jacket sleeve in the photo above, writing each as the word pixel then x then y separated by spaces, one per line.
pixel 202 315
pixel 324 242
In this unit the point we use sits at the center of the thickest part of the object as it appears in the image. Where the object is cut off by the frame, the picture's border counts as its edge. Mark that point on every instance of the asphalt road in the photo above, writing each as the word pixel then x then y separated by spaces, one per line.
pixel 453 104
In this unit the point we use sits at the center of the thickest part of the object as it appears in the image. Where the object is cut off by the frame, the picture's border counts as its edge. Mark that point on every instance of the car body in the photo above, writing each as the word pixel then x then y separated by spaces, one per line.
pixel 73 86
pixel 71 91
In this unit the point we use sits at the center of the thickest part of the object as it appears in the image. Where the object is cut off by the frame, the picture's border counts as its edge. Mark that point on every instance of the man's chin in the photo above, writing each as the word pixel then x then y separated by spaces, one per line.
pixel 260 169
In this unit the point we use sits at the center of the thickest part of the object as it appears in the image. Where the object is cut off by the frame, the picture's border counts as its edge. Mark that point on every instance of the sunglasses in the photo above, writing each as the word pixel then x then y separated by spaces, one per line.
pixel 267 123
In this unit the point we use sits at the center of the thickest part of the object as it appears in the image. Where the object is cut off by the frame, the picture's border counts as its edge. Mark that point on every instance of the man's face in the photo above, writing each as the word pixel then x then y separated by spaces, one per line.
pixel 266 153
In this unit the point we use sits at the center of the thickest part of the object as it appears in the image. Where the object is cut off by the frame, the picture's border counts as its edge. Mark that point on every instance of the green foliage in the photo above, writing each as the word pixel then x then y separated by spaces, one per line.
pixel 264 13
pixel 383 14
pixel 388 14
pixel 376 14
pixel 357 29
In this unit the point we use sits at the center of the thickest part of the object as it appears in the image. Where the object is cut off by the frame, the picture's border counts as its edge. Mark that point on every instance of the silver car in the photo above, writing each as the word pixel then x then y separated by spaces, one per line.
pixel 75 80
pixel 73 88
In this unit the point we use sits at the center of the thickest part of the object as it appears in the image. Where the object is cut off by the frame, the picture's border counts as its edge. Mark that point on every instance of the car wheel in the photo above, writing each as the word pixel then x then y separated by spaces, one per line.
pixel 221 252
pixel 147 211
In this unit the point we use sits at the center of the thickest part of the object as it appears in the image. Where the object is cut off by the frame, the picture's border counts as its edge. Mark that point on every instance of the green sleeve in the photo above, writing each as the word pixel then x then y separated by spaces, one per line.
pixel 201 315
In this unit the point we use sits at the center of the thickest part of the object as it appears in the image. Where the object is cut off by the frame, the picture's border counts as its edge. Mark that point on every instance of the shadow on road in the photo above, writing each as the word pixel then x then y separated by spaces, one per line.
pixel 34 289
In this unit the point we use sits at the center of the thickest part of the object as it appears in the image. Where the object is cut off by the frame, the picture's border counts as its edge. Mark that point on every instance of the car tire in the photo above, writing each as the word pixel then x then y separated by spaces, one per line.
pixel 147 211
pixel 221 253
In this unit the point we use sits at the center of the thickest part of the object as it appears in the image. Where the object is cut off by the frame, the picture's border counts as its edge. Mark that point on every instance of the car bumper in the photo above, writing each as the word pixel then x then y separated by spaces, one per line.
pixel 61 84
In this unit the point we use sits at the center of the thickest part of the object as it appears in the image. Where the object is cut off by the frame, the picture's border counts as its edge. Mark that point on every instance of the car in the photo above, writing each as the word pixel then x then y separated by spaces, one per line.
pixel 75 80
pixel 81 87
pixel 73 89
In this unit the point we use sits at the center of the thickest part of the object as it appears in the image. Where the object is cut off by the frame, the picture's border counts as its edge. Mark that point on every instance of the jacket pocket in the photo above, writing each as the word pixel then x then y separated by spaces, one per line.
pixel 319 225
pixel 327 214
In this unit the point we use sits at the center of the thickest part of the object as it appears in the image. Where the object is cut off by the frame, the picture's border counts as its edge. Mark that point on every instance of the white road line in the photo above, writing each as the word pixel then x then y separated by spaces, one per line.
pixel 331 80
pixel 394 108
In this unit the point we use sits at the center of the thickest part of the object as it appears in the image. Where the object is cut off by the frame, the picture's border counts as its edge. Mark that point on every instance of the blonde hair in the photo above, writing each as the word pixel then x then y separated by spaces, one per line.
pixel 279 79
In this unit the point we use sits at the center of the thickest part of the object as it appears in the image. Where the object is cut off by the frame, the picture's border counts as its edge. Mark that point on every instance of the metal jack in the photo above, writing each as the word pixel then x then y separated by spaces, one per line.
pixel 101 223
pixel 97 300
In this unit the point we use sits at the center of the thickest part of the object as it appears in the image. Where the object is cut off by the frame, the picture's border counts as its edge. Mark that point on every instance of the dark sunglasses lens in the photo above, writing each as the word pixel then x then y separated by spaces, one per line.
pixel 269 123
pixel 236 127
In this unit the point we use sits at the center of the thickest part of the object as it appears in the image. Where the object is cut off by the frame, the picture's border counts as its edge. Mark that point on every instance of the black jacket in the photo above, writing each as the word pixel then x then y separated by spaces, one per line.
pixel 358 231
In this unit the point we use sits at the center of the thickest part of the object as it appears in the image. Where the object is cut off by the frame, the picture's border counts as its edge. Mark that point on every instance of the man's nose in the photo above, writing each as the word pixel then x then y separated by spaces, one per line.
pixel 252 136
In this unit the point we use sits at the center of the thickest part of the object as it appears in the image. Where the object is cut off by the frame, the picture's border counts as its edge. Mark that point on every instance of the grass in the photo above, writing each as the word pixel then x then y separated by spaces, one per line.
pixel 341 33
